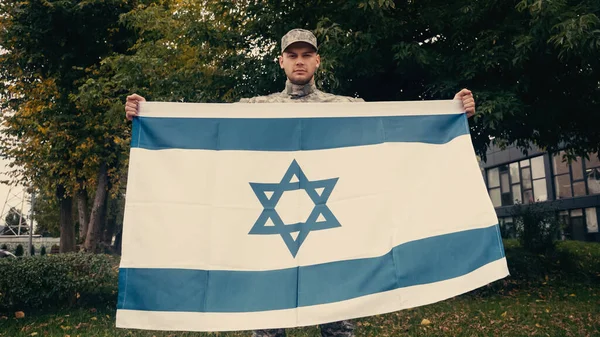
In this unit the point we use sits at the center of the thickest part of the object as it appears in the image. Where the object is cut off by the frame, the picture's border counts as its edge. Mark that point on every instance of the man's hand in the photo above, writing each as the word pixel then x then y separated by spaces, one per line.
pixel 468 101
pixel 132 104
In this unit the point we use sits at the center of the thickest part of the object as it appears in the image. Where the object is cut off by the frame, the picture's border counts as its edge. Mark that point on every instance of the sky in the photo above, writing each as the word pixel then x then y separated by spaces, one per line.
pixel 4 190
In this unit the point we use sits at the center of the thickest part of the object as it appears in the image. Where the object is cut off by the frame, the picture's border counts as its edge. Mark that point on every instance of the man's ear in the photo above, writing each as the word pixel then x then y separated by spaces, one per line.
pixel 281 61
pixel 318 60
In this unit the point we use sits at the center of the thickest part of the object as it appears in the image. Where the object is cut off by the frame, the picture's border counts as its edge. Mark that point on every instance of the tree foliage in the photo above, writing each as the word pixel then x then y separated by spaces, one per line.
pixel 55 142
pixel 532 65
pixel 12 221
pixel 46 214
pixel 537 227
pixel 19 251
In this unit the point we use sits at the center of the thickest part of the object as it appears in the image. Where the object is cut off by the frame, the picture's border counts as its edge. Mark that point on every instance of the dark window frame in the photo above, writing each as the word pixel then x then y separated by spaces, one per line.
pixel 572 181
pixel 519 183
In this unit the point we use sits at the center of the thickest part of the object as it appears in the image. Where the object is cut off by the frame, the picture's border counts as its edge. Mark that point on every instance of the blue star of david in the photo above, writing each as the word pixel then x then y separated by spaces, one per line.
pixel 304 228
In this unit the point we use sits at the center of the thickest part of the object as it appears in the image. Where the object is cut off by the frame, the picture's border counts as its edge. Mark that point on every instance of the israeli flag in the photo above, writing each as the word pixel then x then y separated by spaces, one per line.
pixel 255 216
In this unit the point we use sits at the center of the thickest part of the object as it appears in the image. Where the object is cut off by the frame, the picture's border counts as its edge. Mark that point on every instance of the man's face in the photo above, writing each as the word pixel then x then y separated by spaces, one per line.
pixel 299 61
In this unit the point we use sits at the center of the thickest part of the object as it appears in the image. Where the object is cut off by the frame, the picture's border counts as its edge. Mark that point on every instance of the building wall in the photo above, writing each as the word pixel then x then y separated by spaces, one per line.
pixel 13 241
pixel 573 189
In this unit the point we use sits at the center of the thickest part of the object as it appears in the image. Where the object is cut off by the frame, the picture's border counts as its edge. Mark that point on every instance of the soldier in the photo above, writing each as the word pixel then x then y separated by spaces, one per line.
pixel 300 60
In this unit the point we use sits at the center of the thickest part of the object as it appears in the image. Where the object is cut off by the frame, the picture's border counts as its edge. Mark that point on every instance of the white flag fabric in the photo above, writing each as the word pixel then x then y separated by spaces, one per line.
pixel 256 216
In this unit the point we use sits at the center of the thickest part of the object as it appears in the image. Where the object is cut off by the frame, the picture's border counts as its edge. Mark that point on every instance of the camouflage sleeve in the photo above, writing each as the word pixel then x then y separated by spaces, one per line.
pixel 262 99
pixel 349 99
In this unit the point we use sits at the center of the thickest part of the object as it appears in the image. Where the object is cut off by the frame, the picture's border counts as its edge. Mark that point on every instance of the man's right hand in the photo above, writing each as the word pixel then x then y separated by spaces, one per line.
pixel 132 105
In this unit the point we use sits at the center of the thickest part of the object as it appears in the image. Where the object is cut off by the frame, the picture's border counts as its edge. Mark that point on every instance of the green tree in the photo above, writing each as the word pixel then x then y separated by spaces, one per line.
pixel 505 51
pixel 13 220
pixel 19 251
pixel 51 49
pixel 532 65
pixel 537 226
pixel 46 213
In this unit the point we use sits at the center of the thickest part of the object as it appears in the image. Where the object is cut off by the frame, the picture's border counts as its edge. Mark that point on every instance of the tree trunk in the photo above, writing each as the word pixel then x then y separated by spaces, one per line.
pixel 95 226
pixel 102 221
pixel 67 230
pixel 109 232
pixel 113 215
pixel 118 241
pixel 82 208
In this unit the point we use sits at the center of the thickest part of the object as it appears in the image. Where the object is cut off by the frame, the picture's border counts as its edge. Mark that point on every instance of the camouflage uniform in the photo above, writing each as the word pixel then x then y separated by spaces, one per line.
pixel 300 94
pixel 303 94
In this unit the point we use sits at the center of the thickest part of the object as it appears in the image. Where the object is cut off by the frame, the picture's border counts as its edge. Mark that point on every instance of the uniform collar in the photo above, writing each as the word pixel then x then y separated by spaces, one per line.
pixel 295 90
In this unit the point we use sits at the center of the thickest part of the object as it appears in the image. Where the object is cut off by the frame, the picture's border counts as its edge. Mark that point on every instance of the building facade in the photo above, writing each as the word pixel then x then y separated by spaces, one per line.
pixel 573 189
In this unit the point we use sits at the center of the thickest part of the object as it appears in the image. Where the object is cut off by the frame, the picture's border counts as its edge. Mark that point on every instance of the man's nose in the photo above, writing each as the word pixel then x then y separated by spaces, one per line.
pixel 299 61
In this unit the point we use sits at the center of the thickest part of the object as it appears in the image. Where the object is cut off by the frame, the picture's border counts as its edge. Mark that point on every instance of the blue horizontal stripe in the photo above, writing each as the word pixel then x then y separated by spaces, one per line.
pixel 292 134
pixel 417 262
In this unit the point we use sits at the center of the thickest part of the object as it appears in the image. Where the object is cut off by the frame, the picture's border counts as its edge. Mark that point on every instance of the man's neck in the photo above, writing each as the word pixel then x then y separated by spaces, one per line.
pixel 297 90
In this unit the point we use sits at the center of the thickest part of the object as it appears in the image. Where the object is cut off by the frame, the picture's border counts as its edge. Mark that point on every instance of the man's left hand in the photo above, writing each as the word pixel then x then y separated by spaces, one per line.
pixel 466 96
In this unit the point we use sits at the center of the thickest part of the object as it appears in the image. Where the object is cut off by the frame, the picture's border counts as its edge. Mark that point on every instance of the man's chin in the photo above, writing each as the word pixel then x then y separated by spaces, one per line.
pixel 300 80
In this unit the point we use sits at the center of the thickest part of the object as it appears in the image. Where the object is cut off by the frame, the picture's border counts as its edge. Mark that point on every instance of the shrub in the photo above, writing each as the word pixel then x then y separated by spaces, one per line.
pixel 57 281
pixel 43 251
pixel 4 246
pixel 32 250
pixel 20 251
pixel 571 262
pixel 537 226
pixel 579 260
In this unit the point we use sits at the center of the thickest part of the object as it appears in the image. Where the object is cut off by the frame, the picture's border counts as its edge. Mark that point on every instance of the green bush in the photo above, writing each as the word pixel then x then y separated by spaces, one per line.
pixel 579 260
pixel 537 226
pixel 43 251
pixel 20 251
pixel 58 281
pixel 4 246
pixel 32 250
pixel 571 261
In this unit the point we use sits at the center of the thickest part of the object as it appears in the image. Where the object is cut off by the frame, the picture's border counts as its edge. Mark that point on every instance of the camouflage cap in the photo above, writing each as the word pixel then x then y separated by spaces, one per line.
pixel 298 35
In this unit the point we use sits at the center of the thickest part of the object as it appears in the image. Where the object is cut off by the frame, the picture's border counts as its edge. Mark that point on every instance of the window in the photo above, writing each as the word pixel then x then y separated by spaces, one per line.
pixel 580 224
pixel 507 228
pixel 591 220
pixel 518 182
pixel 576 227
pixel 578 178
pixel 592 174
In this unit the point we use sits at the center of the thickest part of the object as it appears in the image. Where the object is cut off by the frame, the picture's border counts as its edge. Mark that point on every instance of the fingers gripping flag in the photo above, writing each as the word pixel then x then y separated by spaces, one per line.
pixel 255 216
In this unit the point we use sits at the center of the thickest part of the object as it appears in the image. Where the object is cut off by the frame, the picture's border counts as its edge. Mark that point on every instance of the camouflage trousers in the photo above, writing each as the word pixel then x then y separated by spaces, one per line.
pixel 335 329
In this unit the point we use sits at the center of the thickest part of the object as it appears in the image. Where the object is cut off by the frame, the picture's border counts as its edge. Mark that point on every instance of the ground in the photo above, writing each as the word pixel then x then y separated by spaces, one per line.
pixel 534 310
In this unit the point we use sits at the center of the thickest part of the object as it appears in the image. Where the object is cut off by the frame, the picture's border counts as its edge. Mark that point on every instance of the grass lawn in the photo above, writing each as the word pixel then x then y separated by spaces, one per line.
pixel 533 310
